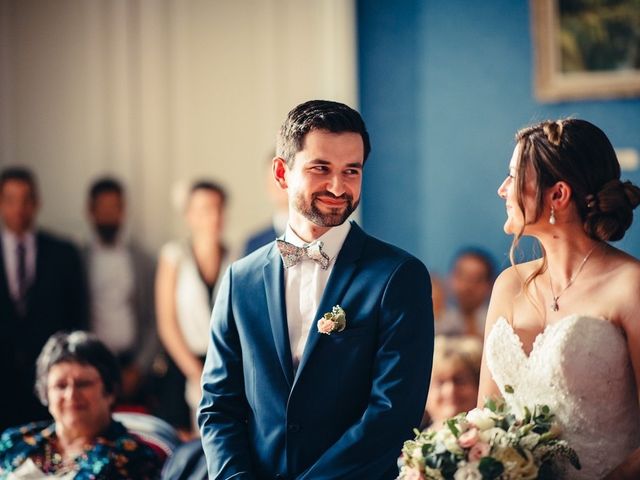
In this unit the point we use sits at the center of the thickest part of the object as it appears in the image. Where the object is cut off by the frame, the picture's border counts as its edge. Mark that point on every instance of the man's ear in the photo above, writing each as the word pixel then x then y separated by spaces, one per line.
pixel 280 171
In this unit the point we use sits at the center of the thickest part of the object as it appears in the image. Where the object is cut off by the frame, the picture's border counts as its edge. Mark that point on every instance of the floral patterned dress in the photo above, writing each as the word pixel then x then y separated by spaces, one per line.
pixel 115 454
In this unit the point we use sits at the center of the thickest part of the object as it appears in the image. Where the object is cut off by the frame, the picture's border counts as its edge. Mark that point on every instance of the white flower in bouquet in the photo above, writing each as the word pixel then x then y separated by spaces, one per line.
pixel 469 471
pixel 449 441
pixel 481 418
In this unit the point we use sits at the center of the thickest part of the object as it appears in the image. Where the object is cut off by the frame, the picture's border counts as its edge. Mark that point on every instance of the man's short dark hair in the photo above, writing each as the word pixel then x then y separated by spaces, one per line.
pixel 20 174
pixel 76 347
pixel 326 115
pixel 105 185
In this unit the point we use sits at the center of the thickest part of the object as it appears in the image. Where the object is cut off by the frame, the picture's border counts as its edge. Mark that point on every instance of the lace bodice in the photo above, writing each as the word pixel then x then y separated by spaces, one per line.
pixel 580 367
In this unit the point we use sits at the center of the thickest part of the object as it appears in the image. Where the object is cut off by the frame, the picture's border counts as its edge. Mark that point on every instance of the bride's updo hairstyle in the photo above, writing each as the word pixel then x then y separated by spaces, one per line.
pixel 579 153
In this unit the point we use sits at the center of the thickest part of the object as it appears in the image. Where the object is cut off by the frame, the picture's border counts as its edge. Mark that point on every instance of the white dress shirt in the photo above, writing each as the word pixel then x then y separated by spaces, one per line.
pixel 10 252
pixel 112 283
pixel 305 284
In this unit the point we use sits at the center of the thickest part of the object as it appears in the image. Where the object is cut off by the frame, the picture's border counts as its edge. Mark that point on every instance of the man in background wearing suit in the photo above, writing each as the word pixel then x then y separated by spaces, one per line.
pixel 42 290
pixel 321 343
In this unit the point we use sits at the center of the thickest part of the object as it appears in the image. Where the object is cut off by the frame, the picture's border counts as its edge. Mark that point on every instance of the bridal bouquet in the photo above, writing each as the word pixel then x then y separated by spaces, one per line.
pixel 485 444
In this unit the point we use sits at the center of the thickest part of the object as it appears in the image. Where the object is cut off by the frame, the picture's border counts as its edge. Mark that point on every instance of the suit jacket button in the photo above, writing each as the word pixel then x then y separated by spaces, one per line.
pixel 293 427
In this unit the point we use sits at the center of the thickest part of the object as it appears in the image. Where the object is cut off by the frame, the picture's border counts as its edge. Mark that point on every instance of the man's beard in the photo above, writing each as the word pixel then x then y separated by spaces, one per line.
pixel 335 216
pixel 108 234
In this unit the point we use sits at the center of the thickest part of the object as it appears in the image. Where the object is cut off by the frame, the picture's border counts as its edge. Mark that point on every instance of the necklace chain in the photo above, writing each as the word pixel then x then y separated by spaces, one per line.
pixel 554 304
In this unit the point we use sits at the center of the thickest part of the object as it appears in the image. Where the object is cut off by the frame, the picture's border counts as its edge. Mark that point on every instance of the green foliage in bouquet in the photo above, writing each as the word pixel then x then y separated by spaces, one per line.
pixel 487 444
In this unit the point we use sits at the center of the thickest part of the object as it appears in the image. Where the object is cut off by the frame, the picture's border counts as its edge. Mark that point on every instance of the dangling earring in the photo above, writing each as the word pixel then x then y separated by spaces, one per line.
pixel 552 217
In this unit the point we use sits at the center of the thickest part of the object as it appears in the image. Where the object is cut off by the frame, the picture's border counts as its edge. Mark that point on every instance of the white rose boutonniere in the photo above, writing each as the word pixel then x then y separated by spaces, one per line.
pixel 333 321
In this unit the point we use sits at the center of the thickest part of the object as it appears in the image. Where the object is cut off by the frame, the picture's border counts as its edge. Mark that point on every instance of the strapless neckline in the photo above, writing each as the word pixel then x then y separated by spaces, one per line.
pixel 548 329
pixel 581 368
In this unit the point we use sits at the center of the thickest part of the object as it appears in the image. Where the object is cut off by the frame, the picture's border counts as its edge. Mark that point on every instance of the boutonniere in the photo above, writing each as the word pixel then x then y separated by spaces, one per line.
pixel 333 321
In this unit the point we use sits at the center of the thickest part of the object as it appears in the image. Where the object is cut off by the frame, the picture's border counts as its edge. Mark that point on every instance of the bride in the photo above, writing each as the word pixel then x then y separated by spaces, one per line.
pixel 564 330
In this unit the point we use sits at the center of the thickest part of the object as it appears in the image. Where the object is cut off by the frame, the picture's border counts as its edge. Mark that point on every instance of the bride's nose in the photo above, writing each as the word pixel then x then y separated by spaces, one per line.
pixel 502 189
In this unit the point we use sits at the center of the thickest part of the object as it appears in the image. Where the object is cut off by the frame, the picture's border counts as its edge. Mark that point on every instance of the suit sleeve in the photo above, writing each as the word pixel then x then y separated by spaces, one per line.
pixel 223 409
pixel 401 374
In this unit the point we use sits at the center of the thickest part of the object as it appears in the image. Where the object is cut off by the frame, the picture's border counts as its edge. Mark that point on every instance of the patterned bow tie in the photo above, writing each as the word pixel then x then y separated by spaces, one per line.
pixel 292 255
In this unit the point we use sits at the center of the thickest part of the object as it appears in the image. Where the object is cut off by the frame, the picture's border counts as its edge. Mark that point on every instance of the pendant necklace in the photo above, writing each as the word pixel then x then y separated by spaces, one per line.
pixel 554 305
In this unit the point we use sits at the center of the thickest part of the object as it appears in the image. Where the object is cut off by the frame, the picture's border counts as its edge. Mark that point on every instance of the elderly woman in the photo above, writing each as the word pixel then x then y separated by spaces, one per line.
pixel 454 380
pixel 77 377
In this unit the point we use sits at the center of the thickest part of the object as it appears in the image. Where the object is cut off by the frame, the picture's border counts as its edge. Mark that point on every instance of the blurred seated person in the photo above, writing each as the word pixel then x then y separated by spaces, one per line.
pixel 77 378
pixel 454 379
pixel 438 297
pixel 121 275
pixel 280 203
pixel 470 281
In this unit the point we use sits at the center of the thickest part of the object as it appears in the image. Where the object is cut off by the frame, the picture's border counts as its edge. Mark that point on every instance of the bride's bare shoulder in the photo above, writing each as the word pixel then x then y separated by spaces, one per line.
pixel 624 268
pixel 621 275
pixel 506 288
pixel 511 279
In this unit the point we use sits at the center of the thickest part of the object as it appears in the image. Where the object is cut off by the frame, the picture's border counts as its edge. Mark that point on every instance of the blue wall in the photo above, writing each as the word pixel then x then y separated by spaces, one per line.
pixel 444 86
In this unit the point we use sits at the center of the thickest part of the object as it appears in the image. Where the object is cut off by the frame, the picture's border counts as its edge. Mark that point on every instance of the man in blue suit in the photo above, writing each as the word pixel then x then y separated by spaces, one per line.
pixel 321 342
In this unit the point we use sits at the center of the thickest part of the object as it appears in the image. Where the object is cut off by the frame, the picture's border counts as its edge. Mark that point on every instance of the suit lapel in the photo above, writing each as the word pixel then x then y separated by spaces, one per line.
pixel 337 284
pixel 274 285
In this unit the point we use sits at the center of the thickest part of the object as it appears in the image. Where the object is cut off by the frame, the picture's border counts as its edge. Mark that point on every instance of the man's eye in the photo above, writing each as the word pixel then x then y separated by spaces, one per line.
pixel 353 171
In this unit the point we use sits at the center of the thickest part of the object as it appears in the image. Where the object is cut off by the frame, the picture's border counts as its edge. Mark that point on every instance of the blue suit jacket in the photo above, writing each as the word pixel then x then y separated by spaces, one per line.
pixel 356 395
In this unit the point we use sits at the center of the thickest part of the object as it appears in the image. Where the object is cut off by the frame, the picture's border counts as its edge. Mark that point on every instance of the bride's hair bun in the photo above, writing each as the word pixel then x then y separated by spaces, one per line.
pixel 553 131
pixel 610 210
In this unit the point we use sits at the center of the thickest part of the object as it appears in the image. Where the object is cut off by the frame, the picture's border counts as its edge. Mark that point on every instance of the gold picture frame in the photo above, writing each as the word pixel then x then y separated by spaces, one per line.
pixel 564 67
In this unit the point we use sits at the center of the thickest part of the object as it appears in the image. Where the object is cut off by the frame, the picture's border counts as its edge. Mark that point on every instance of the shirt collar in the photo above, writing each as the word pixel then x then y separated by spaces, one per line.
pixel 11 240
pixel 332 240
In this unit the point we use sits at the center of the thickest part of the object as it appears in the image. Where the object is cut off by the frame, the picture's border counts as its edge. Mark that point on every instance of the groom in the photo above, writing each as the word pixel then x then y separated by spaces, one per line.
pixel 292 393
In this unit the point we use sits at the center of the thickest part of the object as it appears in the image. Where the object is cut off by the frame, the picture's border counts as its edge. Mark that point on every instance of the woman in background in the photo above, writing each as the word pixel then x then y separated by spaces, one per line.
pixel 454 379
pixel 188 273
pixel 77 378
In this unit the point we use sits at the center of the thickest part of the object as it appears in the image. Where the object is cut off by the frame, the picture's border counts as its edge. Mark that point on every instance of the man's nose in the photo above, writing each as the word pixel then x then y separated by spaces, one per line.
pixel 336 185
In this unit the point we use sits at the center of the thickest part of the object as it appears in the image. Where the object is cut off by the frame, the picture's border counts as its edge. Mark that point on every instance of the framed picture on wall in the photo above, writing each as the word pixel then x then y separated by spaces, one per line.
pixel 586 49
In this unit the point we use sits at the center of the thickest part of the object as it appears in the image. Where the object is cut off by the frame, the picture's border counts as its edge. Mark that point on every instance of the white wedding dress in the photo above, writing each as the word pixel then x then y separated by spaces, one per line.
pixel 580 367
